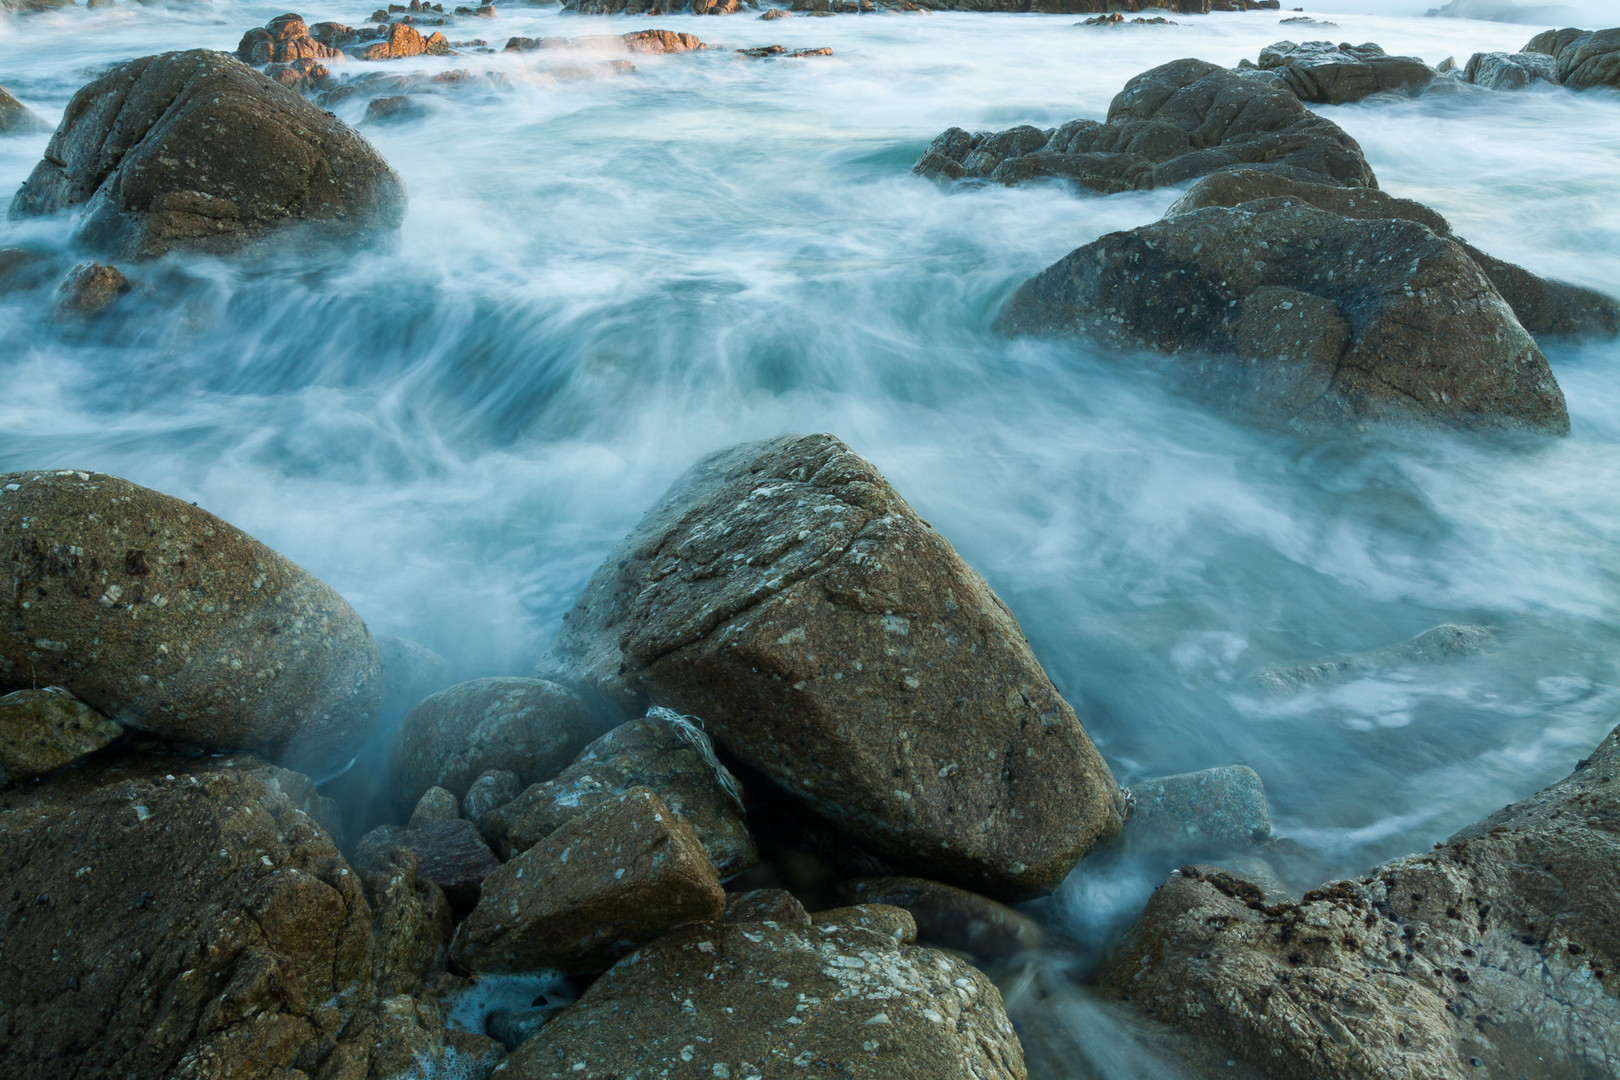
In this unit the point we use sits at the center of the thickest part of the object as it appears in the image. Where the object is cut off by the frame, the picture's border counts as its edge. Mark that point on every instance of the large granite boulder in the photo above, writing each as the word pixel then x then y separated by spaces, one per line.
pixel 829 637
pixel 1328 74
pixel 1496 954
pixel 1175 123
pixel 197 151
pixel 845 996
pixel 663 752
pixel 1543 306
pixel 1583 59
pixel 166 619
pixel 1303 317
pixel 529 727
pixel 1509 71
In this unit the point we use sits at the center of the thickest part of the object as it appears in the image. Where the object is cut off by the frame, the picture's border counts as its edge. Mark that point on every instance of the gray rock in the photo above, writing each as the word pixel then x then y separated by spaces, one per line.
pixel 1582 60
pixel 1440 643
pixel 529 727
pixel 436 805
pixel 17 118
pixel 1253 307
pixel 1509 71
pixel 1493 955
pixel 848 996
pixel 612 879
pixel 491 791
pixel 41 730
pixel 166 619
pixel 663 752
pixel 1172 124
pixel 1324 73
pixel 829 637
pixel 197 151
pixel 1199 811
pixel 410 673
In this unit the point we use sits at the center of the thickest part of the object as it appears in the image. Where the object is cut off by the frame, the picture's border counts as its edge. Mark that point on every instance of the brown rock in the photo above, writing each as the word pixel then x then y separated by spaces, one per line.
pixel 845 997
pixel 613 878
pixel 491 791
pixel 411 922
pixel 1496 954
pixel 283 39
pixel 662 752
pixel 169 620
pixel 15 116
pixel 403 41
pixel 952 918
pixel 765 905
pixel 828 636
pixel 196 150
pixel 90 290
pixel 450 854
pixel 661 41
pixel 41 730
pixel 529 727
pixel 434 807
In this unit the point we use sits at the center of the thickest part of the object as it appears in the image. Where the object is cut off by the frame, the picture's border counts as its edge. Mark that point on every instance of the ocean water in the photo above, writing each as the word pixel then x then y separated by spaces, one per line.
pixel 602 277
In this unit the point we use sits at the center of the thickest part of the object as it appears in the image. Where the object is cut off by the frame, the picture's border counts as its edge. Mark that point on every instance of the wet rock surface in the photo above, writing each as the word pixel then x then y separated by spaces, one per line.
pixel 1256 300
pixel 283 39
pixel 1328 74
pixel 529 727
pixel 197 151
pixel 90 289
pixel 614 878
pixel 768 998
pixel 848 653
pixel 166 619
pixel 662 752
pixel 1435 645
pixel 42 730
pixel 1199 811
pixel 15 116
pixel 1509 71
pixel 1493 955
pixel 1582 59
pixel 1180 121
pixel 952 918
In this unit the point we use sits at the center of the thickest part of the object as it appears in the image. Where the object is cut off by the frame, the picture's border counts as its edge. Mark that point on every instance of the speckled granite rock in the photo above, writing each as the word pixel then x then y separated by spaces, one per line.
pixel 41 730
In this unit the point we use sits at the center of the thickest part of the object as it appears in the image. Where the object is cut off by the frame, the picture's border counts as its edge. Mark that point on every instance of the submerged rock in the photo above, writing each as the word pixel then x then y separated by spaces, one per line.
pixel 663 752
pixel 847 996
pixel 1509 71
pixel 1446 642
pixel 1496 954
pixel 1582 59
pixel 1197 811
pixel 952 918
pixel 829 637
pixel 529 727
pixel 1180 121
pixel 90 289
pixel 169 620
pixel 1328 74
pixel 1255 304
pixel 197 151
pixel 614 878
pixel 41 730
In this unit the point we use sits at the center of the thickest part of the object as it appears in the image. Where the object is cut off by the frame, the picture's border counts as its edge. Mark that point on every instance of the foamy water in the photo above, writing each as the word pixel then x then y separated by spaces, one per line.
pixel 601 279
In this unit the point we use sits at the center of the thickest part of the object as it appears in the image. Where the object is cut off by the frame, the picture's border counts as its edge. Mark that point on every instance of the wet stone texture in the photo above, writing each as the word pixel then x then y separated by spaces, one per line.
pixel 41 730
pixel 847 996
pixel 829 637
pixel 1212 808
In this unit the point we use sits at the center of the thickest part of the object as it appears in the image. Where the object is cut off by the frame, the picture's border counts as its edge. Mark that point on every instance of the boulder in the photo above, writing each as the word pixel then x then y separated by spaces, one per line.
pixel 450 854
pixel 1446 642
pixel 197 151
pixel 529 727
pixel 167 619
pixel 663 752
pixel 1180 121
pixel 41 730
pixel 411 672
pixel 1509 71
pixel 491 791
pixel 1199 811
pixel 847 996
pixel 1305 318
pixel 1582 59
pixel 403 41
pixel 436 805
pixel 1544 307
pixel 1496 954
pixel 15 117
pixel 302 76
pixel 952 918
pixel 829 637
pixel 614 878
pixel 765 905
pixel 411 922
pixel 661 41
pixel 1328 74
pixel 90 289
pixel 283 39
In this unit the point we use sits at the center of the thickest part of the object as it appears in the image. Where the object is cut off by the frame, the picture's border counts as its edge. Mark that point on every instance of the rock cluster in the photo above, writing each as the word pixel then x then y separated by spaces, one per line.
pixel 1328 74
pixel 1582 59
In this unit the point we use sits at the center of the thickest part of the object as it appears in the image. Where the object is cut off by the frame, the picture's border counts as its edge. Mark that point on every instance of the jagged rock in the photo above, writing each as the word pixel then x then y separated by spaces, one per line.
pixel 282 40
pixel 411 672
pixel 1438 644
pixel 952 918
pixel 17 117
pixel 1542 306
pixel 662 752
pixel 169 620
pixel 196 150
pixel 450 854
pixel 829 637
pixel 41 730
pixel 403 41
pixel 1177 122
pixel 848 996
pixel 1253 304
pixel 529 727
pixel 1582 59
pixel 90 289
pixel 1198 811
pixel 1509 71
pixel 436 805
pixel 1496 954
pixel 661 41
pixel 1321 72
pixel 303 76
pixel 614 878
pixel 411 922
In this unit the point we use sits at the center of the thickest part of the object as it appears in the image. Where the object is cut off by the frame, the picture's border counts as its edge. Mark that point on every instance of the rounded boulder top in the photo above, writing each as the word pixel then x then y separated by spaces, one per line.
pixel 170 620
